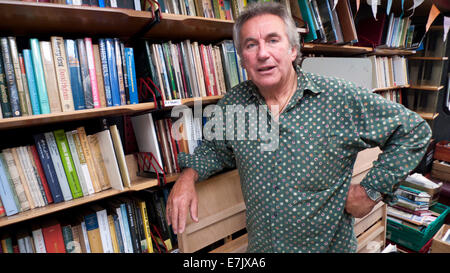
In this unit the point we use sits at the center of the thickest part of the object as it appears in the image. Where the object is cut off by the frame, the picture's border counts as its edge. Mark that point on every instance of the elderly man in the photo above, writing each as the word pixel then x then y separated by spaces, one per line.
pixel 298 195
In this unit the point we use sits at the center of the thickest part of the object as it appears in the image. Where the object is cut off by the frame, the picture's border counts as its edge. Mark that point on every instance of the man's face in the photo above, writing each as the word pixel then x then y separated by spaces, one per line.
pixel 266 53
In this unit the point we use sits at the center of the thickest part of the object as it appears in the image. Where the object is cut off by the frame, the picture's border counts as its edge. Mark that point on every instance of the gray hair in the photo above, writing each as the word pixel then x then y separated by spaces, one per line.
pixel 261 8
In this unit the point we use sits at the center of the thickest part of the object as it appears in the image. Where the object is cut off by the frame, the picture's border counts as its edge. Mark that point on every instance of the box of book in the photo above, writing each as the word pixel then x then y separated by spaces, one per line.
pixel 441 170
pixel 442 151
pixel 411 237
pixel 441 241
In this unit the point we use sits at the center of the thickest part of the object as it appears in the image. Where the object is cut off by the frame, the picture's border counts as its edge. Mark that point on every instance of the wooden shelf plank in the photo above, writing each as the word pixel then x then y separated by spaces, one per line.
pixel 329 49
pixel 393 52
pixel 390 88
pixel 429 58
pixel 427 87
pixel 428 116
pixel 33 120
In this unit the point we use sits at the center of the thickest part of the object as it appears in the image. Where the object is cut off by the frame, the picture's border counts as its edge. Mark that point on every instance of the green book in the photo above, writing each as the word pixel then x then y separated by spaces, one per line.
pixel 67 160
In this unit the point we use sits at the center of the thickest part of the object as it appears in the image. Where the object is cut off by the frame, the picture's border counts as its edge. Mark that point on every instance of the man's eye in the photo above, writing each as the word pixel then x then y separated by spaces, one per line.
pixel 250 46
pixel 272 41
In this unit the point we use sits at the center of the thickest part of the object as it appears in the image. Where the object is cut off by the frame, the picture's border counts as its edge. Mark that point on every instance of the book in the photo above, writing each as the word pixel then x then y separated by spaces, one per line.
pixel 124 72
pixel 97 158
pixel 85 181
pixel 92 72
pixel 53 238
pixel 131 71
pixel 38 239
pixel 39 76
pixel 99 75
pixel 23 178
pixel 67 161
pixel 109 159
pixel 18 76
pixel 39 174
pixel 4 96
pixel 93 232
pixel 13 93
pixel 62 74
pixel 105 70
pixel 146 225
pixel 104 229
pixel 48 167
pixel 58 166
pixel 50 76
pixel 14 174
pixel 112 69
pixel 113 232
pixel 131 217
pixel 118 148
pixel 25 84
pixel 33 184
pixel 85 76
pixel 89 159
pixel 73 65
pixel 6 192
pixel 119 69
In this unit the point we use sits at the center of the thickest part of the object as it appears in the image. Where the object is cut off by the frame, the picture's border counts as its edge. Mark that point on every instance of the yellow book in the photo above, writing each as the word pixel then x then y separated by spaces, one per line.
pixel 88 156
pixel 148 237
pixel 102 174
pixel 112 230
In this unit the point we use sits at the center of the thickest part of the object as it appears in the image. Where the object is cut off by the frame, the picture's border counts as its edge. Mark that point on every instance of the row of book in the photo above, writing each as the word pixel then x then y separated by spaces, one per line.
pixel 65 75
pixel 392 95
pixel 416 194
pixel 390 71
pixel 189 69
pixel 125 4
pixel 125 224
pixel 156 136
pixel 61 166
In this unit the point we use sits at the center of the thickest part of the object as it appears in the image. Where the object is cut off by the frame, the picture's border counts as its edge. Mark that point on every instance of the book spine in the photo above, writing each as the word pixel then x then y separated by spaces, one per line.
pixel 25 83
pixel 6 193
pixel 119 67
pixel 132 84
pixel 10 78
pixel 85 237
pixel 67 161
pixel 97 157
pixel 89 159
pixel 105 233
pixel 112 231
pixel 76 162
pixel 93 233
pixel 18 75
pixel 4 97
pixel 85 78
pixel 121 225
pixel 38 239
pixel 73 64
pixel 14 174
pixel 39 176
pixel 146 223
pixel 62 74
pixel 125 73
pixel 119 237
pixel 23 178
pixel 50 76
pixel 99 75
pixel 92 73
pixel 59 168
pixel 53 238
pixel 83 163
pixel 105 69
pixel 29 175
pixel 126 227
pixel 132 223
pixel 112 68
pixel 39 76
pixel 67 237
pixel 48 167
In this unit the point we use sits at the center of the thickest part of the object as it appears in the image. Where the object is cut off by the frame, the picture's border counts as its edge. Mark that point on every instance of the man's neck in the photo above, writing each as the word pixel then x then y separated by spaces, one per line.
pixel 277 95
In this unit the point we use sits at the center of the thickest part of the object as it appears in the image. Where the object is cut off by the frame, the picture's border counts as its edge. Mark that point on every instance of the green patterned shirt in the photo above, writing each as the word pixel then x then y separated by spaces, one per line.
pixel 295 195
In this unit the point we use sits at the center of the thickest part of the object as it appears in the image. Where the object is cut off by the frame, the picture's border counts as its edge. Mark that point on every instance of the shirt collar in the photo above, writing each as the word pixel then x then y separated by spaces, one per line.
pixel 305 82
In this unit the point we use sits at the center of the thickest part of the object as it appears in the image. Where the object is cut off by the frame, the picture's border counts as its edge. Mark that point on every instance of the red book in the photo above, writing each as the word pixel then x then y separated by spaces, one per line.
pixel 41 174
pixel 53 238
pixel 205 70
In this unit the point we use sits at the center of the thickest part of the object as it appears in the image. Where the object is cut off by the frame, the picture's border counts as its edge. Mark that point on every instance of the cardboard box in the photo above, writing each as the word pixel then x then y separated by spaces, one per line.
pixel 438 245
pixel 442 151
pixel 440 171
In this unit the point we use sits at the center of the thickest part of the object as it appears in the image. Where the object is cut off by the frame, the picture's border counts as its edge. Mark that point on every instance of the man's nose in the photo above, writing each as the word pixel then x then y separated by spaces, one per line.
pixel 262 51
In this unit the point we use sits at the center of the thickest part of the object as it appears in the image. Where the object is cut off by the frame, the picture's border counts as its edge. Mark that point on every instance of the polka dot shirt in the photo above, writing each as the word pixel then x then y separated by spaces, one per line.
pixel 295 194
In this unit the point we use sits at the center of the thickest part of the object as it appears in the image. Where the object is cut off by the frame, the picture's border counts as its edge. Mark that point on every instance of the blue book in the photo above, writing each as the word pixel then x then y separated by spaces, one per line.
pixel 106 80
pixel 112 68
pixel 32 85
pixel 131 70
pixel 69 2
pixel 73 64
pixel 118 233
pixel 6 192
pixel 101 3
pixel 126 226
pixel 91 222
pixel 10 78
pixel 39 76
pixel 48 167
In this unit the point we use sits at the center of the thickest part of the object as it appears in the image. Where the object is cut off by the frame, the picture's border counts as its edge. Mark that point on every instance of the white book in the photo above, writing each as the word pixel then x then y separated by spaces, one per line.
pixel 77 2
pixel 118 148
pixel 38 239
pixel 85 237
pixel 105 233
pixel 113 3
pixel 14 174
pixel 31 179
pixel 147 141
pixel 110 159
pixel 59 168
pixel 76 162
pixel 21 244
pixel 29 247
pixel 137 5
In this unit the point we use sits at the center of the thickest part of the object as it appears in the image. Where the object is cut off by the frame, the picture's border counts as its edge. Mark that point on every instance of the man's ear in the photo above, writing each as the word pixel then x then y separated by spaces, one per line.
pixel 293 52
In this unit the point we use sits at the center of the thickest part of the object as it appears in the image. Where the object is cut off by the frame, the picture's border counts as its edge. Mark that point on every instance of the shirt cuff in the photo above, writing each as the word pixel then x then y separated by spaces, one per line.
pixel 383 182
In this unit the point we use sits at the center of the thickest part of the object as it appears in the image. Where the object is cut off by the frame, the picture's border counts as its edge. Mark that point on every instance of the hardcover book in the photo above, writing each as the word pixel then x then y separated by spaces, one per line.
pixel 39 76
pixel 76 83
pixel 10 78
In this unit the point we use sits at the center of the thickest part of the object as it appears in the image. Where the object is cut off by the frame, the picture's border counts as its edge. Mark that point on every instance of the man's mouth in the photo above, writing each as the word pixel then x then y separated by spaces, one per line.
pixel 266 68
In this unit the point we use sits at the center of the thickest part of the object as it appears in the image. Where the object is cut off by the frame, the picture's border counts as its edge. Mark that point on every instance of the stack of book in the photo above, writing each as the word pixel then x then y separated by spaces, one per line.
pixel 189 69
pixel 61 166
pixel 127 224
pixel 414 201
pixel 65 75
